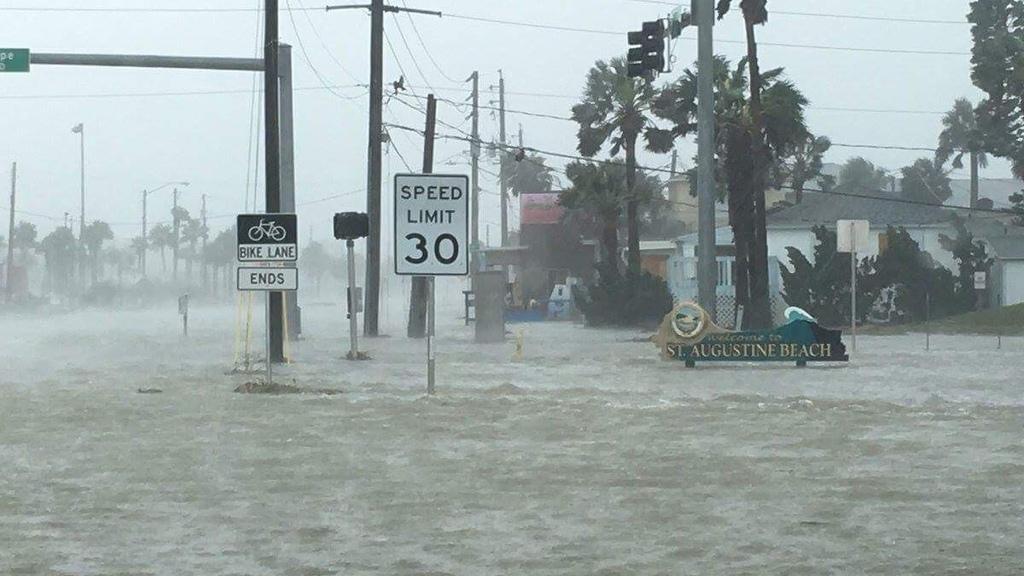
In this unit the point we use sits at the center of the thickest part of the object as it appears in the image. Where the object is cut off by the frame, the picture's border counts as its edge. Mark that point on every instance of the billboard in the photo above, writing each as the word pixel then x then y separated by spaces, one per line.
pixel 540 209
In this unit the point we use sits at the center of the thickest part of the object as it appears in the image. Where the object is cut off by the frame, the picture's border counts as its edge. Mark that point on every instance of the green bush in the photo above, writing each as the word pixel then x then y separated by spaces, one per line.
pixel 623 300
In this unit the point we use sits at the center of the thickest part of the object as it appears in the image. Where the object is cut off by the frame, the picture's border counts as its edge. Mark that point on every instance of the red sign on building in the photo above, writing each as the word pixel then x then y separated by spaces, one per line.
pixel 540 209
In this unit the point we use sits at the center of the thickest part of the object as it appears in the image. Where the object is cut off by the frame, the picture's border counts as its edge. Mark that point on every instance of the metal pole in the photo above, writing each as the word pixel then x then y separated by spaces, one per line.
pixel 853 293
pixel 707 271
pixel 272 135
pixel 353 322
pixel 202 214
pixel 431 353
pixel 10 233
pixel 373 187
pixel 147 61
pixel 266 312
pixel 927 321
pixel 81 222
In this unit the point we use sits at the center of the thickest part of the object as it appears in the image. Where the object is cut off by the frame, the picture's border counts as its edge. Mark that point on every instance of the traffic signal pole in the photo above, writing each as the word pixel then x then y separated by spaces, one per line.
pixel 707 265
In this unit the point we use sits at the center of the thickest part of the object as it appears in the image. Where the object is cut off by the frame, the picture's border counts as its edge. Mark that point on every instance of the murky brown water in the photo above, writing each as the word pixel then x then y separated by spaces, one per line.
pixel 589 457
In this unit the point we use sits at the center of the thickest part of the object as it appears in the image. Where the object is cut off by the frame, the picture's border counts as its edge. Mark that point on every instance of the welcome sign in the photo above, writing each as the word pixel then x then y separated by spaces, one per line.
pixel 688 335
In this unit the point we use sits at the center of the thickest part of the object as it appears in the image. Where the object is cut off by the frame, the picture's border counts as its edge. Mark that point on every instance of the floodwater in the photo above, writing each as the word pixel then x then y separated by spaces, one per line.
pixel 588 456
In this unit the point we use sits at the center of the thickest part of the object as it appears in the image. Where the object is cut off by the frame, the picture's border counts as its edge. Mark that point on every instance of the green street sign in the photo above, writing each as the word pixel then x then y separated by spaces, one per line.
pixel 14 60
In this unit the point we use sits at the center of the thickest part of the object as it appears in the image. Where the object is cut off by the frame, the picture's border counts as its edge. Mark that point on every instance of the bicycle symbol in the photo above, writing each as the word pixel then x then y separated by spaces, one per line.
pixel 269 230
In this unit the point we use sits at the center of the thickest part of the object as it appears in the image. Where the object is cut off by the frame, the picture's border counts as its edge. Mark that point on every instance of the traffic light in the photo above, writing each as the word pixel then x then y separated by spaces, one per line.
pixel 351 225
pixel 647 49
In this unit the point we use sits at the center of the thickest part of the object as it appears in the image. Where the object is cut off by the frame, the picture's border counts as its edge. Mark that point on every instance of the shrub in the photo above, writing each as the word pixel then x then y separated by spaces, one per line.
pixel 616 299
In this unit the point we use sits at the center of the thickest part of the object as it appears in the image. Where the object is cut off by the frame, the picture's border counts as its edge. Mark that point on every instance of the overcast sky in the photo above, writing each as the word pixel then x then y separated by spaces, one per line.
pixel 147 127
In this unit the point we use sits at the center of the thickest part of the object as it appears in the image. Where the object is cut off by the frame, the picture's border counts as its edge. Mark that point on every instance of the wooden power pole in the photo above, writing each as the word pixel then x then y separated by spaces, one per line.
pixel 421 284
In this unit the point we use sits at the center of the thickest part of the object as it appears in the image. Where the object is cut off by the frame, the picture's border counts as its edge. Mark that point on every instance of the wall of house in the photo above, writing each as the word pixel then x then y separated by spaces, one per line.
pixel 1012 281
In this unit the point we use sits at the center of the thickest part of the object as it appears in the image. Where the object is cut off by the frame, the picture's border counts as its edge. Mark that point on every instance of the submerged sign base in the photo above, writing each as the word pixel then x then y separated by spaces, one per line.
pixel 688 335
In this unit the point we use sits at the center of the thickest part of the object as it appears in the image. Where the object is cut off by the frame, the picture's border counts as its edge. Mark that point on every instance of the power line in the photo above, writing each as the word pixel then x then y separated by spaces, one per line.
pixel 323 43
pixel 828 15
pixel 412 56
pixel 426 50
pixel 305 56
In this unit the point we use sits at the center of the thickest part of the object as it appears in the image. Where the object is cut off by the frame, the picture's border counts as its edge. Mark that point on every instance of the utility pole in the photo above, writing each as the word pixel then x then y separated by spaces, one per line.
pixel 474 151
pixel 428 167
pixel 422 286
pixel 272 148
pixel 145 241
pixel 10 234
pixel 707 264
pixel 205 234
pixel 373 175
pixel 675 159
pixel 177 234
pixel 502 170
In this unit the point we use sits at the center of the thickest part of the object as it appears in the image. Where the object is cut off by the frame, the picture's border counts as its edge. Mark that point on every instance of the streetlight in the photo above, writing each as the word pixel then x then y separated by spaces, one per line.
pixel 145 194
pixel 80 130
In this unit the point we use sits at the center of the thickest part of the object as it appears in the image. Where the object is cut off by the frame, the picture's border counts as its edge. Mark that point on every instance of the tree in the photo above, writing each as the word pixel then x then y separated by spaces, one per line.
pixel 58 248
pixel 191 232
pixel 24 236
pixel 179 215
pixel 93 237
pixel 998 70
pixel 783 118
pixel 823 288
pixel 804 165
pixel 528 175
pixel 162 237
pixel 600 189
pixel 919 288
pixel 861 175
pixel 614 110
pixel 220 252
pixel 970 257
pixel 961 136
pixel 925 181
pixel 1017 208
pixel 138 248
pixel 314 262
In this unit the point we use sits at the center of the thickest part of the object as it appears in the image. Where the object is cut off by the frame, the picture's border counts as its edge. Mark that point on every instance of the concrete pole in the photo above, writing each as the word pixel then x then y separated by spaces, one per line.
pixel 707 271
pixel 81 221
pixel 373 177
pixel 177 235
pixel 353 320
pixel 202 215
pixel 272 149
pixel 288 169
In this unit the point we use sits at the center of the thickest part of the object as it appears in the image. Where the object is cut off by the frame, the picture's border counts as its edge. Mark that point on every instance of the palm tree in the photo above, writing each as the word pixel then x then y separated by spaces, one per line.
pixel 93 237
pixel 191 232
pixel 528 175
pixel 804 165
pixel 58 248
pixel 961 135
pixel 598 188
pixel 162 237
pixel 138 248
pixel 614 109
pixel 315 262
pixel 220 252
pixel 925 181
pixel 861 175
pixel 784 131
pixel 24 237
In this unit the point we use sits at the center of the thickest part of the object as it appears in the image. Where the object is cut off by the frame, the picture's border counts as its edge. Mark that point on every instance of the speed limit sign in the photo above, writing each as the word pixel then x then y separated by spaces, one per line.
pixel 431 225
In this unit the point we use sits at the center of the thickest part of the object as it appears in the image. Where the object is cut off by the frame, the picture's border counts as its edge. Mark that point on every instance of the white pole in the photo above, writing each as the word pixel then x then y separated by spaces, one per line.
pixel 431 354
pixel 853 297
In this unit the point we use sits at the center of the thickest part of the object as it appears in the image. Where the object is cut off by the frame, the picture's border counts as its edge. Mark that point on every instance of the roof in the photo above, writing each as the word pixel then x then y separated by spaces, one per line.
pixel 825 209
pixel 1007 247
pixel 723 237
pixel 657 246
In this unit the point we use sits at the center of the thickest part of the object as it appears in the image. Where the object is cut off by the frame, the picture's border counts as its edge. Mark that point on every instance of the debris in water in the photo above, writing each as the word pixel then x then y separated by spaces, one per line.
pixel 264 388
pixel 150 391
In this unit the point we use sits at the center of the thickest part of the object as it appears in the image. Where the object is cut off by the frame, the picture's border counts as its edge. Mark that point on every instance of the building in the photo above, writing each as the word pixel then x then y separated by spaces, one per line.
pixel 1006 277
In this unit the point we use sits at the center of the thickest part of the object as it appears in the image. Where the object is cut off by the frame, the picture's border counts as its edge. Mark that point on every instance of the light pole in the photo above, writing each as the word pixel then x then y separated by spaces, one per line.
pixel 80 130
pixel 145 240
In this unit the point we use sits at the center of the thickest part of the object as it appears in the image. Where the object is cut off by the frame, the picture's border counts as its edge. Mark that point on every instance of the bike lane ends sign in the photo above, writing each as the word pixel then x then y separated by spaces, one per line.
pixel 268 238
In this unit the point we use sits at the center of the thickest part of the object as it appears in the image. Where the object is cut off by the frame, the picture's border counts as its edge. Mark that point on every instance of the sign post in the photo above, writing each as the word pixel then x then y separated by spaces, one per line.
pixel 14 60
pixel 853 236
pixel 269 241
pixel 431 237
pixel 183 310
